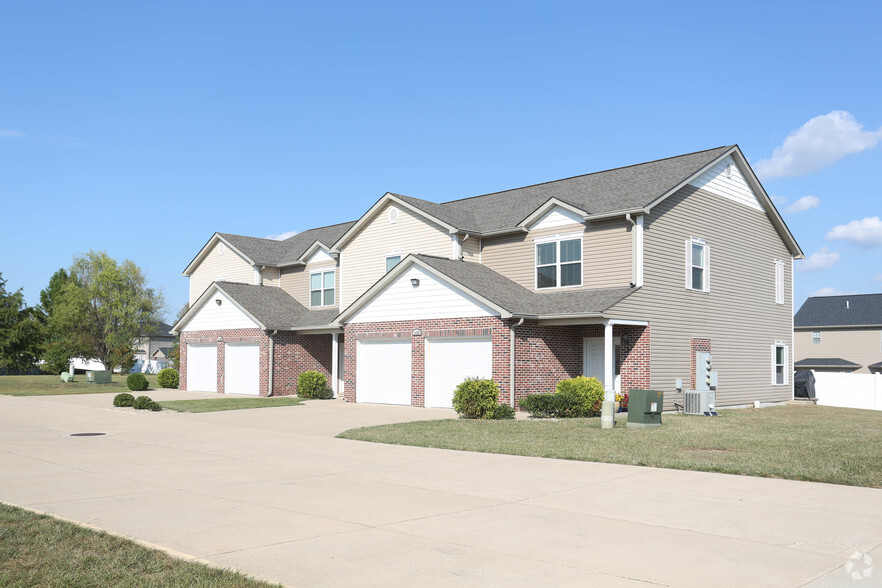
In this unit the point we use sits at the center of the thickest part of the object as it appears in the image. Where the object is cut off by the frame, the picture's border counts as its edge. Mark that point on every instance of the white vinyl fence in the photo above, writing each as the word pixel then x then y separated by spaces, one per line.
pixel 849 390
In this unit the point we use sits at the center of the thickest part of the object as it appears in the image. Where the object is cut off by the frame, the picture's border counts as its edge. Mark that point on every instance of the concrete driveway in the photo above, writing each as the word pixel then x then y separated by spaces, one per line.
pixel 272 493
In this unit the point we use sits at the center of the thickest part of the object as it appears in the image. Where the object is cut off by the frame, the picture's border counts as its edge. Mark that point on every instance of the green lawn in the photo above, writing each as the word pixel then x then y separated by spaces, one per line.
pixel 52 385
pixel 217 404
pixel 38 550
pixel 816 443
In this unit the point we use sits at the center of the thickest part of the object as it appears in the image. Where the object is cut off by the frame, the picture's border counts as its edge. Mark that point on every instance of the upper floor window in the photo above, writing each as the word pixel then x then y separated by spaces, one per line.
pixel 559 262
pixel 392 259
pixel 697 265
pixel 779 281
pixel 816 337
pixel 321 288
pixel 779 363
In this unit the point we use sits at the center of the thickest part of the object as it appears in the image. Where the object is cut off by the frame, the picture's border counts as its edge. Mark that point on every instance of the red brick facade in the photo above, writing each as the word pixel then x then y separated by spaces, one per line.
pixel 293 353
pixel 544 355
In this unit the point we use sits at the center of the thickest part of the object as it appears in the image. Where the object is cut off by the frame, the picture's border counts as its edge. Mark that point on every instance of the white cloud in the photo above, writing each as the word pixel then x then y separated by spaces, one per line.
pixel 818 143
pixel 826 291
pixel 877 278
pixel 10 133
pixel 823 259
pixel 865 233
pixel 282 236
pixel 778 200
pixel 803 204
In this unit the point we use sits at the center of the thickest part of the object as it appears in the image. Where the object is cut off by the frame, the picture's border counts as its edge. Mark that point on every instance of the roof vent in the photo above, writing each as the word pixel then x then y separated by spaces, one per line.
pixel 393 215
pixel 846 304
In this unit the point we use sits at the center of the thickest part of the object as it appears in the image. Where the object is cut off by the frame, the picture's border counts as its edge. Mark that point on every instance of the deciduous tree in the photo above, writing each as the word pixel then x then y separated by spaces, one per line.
pixel 21 332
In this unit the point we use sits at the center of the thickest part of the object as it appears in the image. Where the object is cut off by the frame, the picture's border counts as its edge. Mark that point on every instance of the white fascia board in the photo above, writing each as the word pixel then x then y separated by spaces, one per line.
pixel 311 250
pixel 204 251
pixel 615 213
pixel 367 216
pixel 572 319
pixel 549 205
pixel 399 269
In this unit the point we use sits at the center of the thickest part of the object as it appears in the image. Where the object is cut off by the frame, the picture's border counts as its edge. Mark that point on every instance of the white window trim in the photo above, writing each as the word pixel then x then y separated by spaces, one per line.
pixel 785 371
pixel 696 241
pixel 779 281
pixel 389 254
pixel 322 272
pixel 558 238
pixel 813 337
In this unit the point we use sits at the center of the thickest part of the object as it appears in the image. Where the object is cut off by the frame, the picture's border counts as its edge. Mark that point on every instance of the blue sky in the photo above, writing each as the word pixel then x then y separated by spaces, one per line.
pixel 143 128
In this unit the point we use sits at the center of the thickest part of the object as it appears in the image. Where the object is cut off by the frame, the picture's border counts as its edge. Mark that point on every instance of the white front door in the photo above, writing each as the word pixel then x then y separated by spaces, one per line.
pixel 592 360
pixel 242 368
pixel 449 362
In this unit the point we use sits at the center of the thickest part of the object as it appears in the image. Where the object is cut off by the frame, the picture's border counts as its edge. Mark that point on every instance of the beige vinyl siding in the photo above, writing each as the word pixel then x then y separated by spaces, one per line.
pixel 606 254
pixel 295 281
pixel 228 266
pixel 857 345
pixel 471 249
pixel 363 261
pixel 270 276
pixel 739 314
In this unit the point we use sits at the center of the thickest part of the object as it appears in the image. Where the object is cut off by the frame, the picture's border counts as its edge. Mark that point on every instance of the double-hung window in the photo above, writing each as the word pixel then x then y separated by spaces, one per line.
pixel 321 288
pixel 559 262
pixel 816 337
pixel 779 364
pixel 697 265
pixel 779 281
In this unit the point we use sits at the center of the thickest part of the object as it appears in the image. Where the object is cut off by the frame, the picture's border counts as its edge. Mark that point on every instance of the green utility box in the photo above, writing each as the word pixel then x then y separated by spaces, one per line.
pixel 98 377
pixel 645 408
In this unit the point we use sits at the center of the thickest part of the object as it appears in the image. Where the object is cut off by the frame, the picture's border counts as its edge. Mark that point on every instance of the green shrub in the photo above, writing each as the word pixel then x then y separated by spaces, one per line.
pixel 124 399
pixel 475 398
pixel 542 406
pixel 167 378
pixel 154 406
pixel 136 382
pixel 142 403
pixel 325 393
pixel 311 384
pixel 503 412
pixel 580 397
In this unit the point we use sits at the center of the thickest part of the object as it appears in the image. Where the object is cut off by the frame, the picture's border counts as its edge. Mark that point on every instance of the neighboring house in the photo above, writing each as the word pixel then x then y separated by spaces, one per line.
pixel 839 334
pixel 149 357
pixel 634 275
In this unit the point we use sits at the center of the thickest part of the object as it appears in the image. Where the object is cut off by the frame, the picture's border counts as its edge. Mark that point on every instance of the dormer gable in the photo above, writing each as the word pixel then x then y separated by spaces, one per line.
pixel 553 213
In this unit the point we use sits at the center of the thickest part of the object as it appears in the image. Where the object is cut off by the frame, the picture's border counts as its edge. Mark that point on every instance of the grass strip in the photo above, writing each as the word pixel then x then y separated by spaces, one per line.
pixel 219 404
pixel 53 386
pixel 39 550
pixel 813 443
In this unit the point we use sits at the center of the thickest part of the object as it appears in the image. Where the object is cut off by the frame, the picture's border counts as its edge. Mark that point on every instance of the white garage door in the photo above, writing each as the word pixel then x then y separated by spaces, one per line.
pixel 383 372
pixel 449 362
pixel 202 367
pixel 242 368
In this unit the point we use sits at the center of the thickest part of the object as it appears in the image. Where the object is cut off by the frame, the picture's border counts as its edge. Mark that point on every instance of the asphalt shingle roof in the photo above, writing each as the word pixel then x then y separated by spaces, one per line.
pixel 825 362
pixel 275 308
pixel 832 311
pixel 519 300
pixel 275 253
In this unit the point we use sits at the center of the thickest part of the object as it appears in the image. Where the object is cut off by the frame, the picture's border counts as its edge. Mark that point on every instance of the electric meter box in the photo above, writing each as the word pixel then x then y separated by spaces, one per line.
pixel 645 408
pixel 98 377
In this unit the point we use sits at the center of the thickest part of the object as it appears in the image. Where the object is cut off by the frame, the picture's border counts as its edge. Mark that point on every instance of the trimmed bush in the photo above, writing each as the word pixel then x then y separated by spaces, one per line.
pixel 143 403
pixel 167 378
pixel 503 412
pixel 154 406
pixel 475 398
pixel 325 393
pixel 136 382
pixel 581 397
pixel 312 384
pixel 124 399
pixel 542 406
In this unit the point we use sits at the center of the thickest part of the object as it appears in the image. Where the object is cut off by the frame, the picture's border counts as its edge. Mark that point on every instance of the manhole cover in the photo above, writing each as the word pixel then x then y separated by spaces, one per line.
pixel 87 434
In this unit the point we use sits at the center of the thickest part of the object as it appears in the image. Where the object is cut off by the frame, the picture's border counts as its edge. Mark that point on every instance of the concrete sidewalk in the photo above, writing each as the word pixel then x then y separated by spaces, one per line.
pixel 272 493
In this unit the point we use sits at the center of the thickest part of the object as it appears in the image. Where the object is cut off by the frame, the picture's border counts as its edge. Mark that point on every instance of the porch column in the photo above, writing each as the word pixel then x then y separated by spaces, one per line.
pixel 335 349
pixel 607 414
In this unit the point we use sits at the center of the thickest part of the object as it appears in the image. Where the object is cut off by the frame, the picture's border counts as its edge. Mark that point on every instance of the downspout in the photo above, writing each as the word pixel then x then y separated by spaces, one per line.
pixel 633 249
pixel 511 355
pixel 269 392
